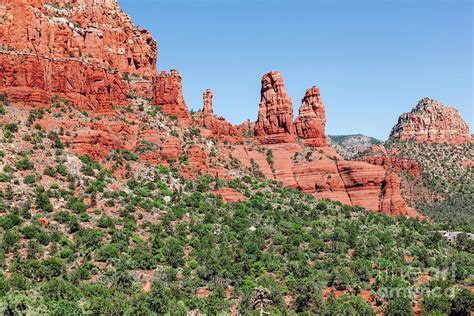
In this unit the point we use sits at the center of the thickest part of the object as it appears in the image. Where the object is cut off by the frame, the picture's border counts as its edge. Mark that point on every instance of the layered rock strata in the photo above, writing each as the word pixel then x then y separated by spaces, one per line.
pixel 311 121
pixel 275 114
pixel 431 121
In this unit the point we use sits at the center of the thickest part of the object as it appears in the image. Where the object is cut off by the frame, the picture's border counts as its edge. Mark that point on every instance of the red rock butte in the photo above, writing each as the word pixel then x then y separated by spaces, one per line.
pixel 79 49
pixel 432 122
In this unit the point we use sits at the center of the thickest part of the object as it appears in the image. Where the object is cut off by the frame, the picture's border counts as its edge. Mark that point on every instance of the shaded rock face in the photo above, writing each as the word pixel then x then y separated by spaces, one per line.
pixel 275 113
pixel 431 121
pixel 311 121
pixel 168 95
pixel 349 146
pixel 391 202
pixel 79 49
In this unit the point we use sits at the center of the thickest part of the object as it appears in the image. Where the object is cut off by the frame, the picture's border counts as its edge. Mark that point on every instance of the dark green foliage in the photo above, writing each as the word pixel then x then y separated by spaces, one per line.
pixel 24 164
pixel 399 306
pixel 42 200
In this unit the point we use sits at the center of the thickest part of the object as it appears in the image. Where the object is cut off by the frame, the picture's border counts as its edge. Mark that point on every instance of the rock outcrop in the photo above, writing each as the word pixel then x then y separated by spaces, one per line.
pixel 387 158
pixel 207 100
pixel 87 51
pixel 391 202
pixel 311 121
pixel 230 195
pixel 168 95
pixel 216 127
pixel 363 183
pixel 90 55
pixel 275 113
pixel 431 121
pixel 324 174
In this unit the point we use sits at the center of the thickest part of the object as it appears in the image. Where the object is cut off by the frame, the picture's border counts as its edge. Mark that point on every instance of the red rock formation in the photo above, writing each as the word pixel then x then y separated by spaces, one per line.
pixel 431 121
pixel 171 149
pixel 218 127
pixel 394 164
pixel 197 158
pixel 275 114
pixel 363 182
pixel 78 49
pixel 388 159
pixel 169 96
pixel 311 121
pixel 391 202
pixel 324 174
pixel 230 195
pixel 90 53
pixel 207 98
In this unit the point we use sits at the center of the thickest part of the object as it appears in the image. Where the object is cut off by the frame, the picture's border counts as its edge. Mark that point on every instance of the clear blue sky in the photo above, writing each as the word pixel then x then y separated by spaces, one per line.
pixel 371 59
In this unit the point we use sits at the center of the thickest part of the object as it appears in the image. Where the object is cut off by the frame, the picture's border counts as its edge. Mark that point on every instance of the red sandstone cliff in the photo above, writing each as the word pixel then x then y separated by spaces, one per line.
pixel 89 52
pixel 311 121
pixel 79 49
pixel 392 202
pixel 431 121
pixel 168 95
pixel 275 113
pixel 216 127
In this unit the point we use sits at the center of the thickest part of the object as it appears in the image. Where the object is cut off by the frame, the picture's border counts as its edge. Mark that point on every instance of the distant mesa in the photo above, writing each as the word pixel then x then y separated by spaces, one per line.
pixel 431 122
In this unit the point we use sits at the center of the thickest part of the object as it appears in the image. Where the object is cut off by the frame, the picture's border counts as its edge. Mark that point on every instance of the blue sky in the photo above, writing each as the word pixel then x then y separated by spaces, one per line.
pixel 371 59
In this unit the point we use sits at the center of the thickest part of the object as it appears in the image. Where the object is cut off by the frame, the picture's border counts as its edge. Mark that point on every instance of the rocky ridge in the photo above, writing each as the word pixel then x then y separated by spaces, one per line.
pixel 349 146
pixel 87 51
pixel 431 121
pixel 120 70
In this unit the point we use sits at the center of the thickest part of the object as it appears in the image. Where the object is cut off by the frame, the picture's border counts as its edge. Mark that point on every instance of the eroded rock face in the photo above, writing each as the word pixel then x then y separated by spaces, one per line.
pixel 324 174
pixel 388 159
pixel 311 121
pixel 216 127
pixel 363 182
pixel 168 95
pixel 207 100
pixel 275 113
pixel 391 202
pixel 89 52
pixel 431 121
pixel 230 195
pixel 80 49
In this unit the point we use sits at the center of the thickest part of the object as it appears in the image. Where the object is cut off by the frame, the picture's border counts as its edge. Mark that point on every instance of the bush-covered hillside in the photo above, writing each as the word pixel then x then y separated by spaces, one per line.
pixel 447 182
pixel 76 239
pixel 349 146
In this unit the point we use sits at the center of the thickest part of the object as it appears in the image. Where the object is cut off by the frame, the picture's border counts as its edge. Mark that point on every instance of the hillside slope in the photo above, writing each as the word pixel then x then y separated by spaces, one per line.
pixel 127 237
pixel 349 146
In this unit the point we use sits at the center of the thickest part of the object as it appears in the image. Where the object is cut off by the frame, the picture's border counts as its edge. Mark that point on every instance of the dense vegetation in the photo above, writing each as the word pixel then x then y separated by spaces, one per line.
pixel 75 239
pixel 449 184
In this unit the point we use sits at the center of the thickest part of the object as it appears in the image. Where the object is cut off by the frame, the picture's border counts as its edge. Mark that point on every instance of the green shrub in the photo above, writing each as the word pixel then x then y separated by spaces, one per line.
pixel 25 164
